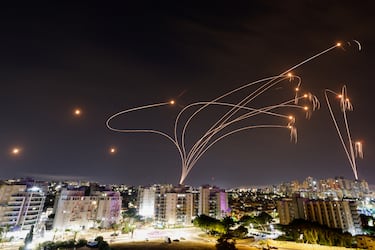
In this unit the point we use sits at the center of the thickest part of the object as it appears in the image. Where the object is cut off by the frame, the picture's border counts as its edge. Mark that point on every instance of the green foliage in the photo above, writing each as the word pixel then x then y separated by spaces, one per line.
pixel 99 239
pixel 70 244
pixel 208 224
pixel 258 221
pixel 67 244
pixel 1 234
pixel 103 245
pixel 315 233
pixel 130 213
pixel 29 236
pixel 240 232
pixel 263 218
pixel 225 242
pixel 227 222
pixel 246 220
pixel 81 243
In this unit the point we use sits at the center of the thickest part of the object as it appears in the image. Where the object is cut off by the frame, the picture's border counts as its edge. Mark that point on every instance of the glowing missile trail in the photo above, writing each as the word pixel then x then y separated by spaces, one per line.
pixel 351 149
pixel 238 112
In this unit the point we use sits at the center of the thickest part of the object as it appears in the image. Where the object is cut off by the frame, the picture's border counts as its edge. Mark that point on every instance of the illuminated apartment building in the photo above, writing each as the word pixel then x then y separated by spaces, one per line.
pixel 20 207
pixel 174 206
pixel 334 214
pixel 290 209
pixel 213 202
pixel 146 202
pixel 171 206
pixel 76 211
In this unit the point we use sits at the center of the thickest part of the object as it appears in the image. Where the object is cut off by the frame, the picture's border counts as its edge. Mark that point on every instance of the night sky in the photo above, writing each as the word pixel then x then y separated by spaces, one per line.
pixel 107 57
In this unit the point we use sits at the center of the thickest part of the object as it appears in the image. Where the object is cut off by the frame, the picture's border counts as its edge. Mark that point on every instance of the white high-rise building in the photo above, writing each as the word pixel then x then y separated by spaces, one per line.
pixel 146 202
pixel 76 211
pixel 169 206
pixel 213 202
pixel 177 206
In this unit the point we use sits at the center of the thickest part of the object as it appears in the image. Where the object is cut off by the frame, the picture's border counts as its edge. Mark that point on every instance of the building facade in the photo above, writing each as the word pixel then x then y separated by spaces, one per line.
pixel 172 206
pixel 213 202
pixel 20 207
pixel 334 214
pixel 76 211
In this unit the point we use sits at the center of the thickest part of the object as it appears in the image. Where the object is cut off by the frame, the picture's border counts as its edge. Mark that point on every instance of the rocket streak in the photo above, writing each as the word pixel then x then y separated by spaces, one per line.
pixel 190 156
pixel 351 149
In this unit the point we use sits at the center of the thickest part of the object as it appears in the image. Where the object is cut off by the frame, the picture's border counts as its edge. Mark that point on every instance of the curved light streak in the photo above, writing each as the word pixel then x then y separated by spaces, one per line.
pixel 190 156
pixel 354 148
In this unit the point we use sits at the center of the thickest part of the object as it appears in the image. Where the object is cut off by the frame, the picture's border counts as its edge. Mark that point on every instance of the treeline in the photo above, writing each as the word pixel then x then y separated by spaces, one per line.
pixel 311 232
pixel 229 230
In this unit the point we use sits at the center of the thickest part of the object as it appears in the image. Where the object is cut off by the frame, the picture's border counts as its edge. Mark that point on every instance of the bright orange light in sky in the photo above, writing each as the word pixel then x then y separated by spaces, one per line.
pixel 171 102
pixel 77 112
pixel 16 151
pixel 112 150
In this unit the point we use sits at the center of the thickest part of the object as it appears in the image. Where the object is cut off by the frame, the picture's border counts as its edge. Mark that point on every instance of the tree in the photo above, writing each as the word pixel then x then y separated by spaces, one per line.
pixel 246 220
pixel 29 236
pixel 115 227
pixel 225 242
pixel 311 235
pixel 1 234
pixel 208 223
pixel 263 218
pixel 6 229
pixel 240 232
pixel 227 222
pixel 317 234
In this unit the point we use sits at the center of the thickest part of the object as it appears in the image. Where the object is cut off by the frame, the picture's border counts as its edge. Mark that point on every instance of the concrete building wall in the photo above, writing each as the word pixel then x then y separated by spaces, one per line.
pixel 19 206
pixel 82 212
pixel 146 202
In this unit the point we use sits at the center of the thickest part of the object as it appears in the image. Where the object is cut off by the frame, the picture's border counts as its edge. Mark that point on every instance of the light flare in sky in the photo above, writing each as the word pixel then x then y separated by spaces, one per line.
pixel 352 149
pixel 238 112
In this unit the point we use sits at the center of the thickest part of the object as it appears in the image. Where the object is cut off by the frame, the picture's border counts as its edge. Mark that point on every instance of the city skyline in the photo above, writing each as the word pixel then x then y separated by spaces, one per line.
pixel 67 68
